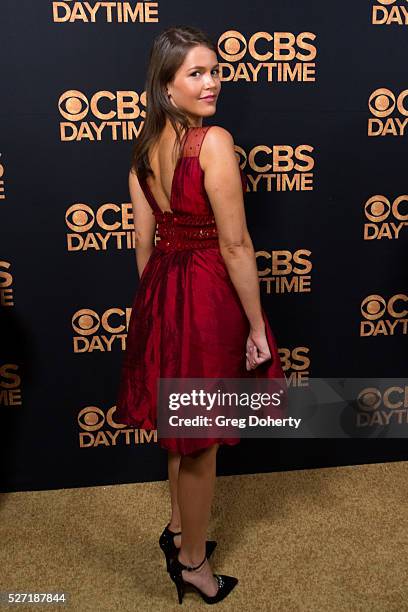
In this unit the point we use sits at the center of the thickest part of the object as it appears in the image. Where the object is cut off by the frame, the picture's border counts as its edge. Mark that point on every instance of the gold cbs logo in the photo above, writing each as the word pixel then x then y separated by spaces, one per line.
pixel 269 56
pixel 392 398
pixel 284 271
pixel 115 221
pixel 115 111
pixel 384 317
pixel 99 428
pixel 385 219
pixel 263 46
pixel 381 408
pixel 382 103
pixel 277 167
pixel 100 333
pixel 297 362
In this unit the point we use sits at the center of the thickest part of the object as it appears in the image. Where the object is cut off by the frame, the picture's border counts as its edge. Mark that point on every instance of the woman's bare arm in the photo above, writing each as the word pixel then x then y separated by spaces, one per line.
pixel 222 182
pixel 145 223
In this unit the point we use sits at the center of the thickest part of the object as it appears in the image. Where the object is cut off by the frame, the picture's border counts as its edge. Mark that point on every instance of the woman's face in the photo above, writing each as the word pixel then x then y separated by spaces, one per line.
pixel 197 78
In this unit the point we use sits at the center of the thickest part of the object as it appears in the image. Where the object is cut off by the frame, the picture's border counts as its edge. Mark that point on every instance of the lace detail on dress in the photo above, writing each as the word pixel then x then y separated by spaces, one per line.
pixel 194 140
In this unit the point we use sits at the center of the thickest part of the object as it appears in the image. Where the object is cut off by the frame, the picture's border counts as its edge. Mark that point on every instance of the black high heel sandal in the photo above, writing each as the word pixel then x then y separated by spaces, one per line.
pixel 170 550
pixel 225 583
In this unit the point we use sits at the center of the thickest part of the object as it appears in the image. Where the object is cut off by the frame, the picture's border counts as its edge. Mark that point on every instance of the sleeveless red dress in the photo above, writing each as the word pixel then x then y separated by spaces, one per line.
pixel 187 320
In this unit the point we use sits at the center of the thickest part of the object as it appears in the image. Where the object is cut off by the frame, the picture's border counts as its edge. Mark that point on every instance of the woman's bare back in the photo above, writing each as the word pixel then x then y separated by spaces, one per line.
pixel 163 161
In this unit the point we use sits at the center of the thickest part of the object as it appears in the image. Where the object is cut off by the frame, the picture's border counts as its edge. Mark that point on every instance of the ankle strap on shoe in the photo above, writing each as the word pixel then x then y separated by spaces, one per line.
pixel 190 568
pixel 173 533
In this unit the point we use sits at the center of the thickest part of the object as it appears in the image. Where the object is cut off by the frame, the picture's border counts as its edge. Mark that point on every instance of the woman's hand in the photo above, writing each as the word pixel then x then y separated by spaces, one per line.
pixel 257 349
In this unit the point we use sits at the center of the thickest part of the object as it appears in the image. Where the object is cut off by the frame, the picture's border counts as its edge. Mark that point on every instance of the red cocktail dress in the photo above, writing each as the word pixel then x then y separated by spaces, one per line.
pixel 187 320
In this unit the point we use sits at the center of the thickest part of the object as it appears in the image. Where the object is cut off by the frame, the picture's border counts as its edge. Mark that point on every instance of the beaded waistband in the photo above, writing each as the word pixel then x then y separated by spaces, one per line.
pixel 182 231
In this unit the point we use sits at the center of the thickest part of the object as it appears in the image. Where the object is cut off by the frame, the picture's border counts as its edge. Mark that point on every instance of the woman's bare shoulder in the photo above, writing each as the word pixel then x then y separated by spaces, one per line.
pixel 217 143
pixel 218 134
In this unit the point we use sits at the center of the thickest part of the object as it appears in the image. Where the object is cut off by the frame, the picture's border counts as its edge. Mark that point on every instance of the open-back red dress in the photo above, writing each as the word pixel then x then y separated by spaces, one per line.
pixel 187 320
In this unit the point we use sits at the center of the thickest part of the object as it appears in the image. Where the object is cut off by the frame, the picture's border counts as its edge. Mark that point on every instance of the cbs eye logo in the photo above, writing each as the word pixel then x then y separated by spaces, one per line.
pixel 392 398
pixel 233 46
pixel 99 428
pixel 374 307
pixel 93 419
pixel 74 106
pixel 377 407
pixel 369 399
pixel 386 219
pixel 115 221
pixel 87 322
pixel 80 218
pixel 382 103
pixel 384 317
pixel 119 113
pixel 95 333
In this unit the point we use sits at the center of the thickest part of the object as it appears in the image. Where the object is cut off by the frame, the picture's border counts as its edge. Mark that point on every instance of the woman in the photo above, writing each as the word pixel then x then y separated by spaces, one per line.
pixel 198 300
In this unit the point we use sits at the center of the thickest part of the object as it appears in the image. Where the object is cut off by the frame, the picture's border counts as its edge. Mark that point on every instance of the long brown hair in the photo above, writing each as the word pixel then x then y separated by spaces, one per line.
pixel 167 54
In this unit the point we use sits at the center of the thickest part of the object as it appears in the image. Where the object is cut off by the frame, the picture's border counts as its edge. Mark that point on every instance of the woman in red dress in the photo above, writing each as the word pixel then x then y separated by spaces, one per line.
pixel 197 311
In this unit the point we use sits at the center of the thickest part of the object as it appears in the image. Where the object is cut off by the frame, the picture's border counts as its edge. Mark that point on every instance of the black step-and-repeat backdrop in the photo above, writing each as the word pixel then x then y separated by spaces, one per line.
pixel 316 97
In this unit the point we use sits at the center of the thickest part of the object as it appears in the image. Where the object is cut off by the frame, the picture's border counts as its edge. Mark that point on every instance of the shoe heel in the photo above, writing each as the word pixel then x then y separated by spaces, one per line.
pixel 180 591
pixel 179 582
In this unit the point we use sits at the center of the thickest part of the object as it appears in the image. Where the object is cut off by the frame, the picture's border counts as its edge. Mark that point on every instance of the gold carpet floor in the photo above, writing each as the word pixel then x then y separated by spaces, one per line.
pixel 332 539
